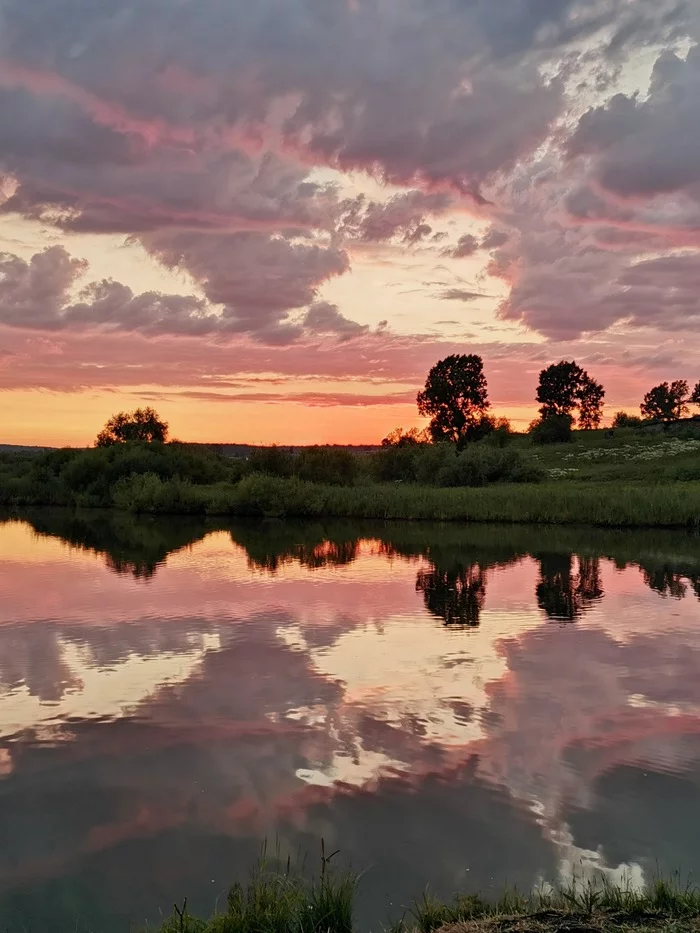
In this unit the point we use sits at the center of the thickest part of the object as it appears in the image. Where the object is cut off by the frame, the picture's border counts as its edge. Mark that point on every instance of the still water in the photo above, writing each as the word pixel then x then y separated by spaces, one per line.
pixel 449 706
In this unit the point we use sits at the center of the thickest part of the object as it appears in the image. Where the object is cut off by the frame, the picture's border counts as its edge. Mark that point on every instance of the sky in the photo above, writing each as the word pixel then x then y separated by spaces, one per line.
pixel 268 220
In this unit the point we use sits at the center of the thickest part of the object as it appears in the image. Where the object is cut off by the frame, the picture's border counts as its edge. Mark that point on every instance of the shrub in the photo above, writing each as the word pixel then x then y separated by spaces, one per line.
pixel 331 465
pixel 555 429
pixel 273 461
pixel 395 464
pixel 623 420
pixel 477 465
pixel 501 435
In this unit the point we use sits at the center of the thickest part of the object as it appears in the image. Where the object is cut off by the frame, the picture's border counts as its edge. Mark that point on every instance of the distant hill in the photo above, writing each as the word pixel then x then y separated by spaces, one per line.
pixel 242 451
pixel 23 449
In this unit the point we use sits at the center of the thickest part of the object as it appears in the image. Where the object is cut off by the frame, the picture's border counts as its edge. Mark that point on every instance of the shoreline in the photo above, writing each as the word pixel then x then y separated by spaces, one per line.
pixel 281 901
pixel 602 505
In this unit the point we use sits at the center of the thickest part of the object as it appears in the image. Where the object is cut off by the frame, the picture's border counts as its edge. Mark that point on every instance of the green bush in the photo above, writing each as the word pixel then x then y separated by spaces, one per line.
pixel 476 465
pixel 273 461
pixel 556 429
pixel 331 465
pixel 395 464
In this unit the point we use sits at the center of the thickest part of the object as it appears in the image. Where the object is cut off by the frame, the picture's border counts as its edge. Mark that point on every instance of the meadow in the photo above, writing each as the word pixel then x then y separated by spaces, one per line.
pixel 616 479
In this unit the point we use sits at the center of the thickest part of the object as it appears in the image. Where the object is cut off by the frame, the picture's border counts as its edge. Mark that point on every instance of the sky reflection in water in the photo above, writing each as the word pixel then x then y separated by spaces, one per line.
pixel 452 706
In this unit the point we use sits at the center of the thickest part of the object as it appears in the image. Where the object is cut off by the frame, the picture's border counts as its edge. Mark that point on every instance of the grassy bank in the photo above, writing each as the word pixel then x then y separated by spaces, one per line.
pixel 284 902
pixel 615 505
pixel 650 481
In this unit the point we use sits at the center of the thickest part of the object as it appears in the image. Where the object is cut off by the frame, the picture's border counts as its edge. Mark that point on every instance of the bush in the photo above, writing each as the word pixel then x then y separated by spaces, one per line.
pixel 331 465
pixel 623 420
pixel 556 429
pixel 501 435
pixel 477 465
pixel 147 492
pixel 273 461
pixel 395 464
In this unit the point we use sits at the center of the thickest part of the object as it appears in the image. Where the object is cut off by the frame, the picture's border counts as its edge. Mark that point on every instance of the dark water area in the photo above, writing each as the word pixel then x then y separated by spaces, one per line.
pixel 457 707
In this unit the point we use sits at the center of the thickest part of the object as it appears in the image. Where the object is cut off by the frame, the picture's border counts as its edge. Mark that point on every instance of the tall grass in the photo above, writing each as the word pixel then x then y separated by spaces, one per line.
pixel 281 901
pixel 664 899
pixel 612 505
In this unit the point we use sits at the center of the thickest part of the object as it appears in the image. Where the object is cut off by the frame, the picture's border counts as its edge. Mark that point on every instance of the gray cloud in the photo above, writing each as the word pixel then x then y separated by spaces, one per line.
pixel 466 246
pixel 197 129
pixel 644 147
pixel 460 294
pixel 325 318
pixel 35 294
pixel 402 216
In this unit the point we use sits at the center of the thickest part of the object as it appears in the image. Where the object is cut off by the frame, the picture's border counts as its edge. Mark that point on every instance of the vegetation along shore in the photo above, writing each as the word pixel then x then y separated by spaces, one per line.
pixel 466 466
pixel 283 901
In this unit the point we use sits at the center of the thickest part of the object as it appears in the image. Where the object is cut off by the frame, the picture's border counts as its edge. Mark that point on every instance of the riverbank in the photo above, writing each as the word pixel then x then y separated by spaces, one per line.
pixel 610 505
pixel 653 486
pixel 284 903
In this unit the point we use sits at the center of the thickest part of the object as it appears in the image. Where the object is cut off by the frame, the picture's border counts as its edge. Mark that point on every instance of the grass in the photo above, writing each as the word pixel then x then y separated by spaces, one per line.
pixel 611 505
pixel 281 901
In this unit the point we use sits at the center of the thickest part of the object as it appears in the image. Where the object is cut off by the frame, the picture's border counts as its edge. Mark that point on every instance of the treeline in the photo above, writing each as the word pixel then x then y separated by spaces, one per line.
pixel 455 398
pixel 158 476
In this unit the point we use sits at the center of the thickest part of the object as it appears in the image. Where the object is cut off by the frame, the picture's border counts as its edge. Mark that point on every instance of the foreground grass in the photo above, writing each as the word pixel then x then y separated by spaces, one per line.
pixel 610 505
pixel 283 902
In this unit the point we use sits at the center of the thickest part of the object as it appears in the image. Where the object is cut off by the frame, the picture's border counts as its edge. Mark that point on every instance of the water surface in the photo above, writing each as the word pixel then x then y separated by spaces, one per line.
pixel 452 706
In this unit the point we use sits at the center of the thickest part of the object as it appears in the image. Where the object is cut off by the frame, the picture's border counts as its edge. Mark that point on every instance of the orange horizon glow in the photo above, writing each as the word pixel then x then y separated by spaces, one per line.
pixel 74 419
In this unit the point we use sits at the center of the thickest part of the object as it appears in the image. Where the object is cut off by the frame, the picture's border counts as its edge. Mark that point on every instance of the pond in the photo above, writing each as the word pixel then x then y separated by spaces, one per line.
pixel 449 706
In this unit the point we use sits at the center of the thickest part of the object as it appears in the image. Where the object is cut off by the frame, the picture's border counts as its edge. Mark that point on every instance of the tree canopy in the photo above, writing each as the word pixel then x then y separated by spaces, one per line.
pixel 143 424
pixel 565 387
pixel 455 398
pixel 667 402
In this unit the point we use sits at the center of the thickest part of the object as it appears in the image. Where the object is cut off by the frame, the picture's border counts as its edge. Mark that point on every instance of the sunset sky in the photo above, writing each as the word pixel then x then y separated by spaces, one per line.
pixel 269 218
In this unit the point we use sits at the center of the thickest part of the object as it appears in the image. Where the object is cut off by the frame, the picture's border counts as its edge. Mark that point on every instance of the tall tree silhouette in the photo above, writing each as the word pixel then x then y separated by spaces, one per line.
pixel 455 398
pixel 564 387
pixel 666 402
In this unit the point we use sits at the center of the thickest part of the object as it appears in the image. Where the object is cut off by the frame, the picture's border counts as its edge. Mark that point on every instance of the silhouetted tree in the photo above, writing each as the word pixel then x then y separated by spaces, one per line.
pixel 400 438
pixel 666 402
pixel 623 420
pixel 565 386
pixel 695 395
pixel 455 398
pixel 555 429
pixel 143 424
pixel 591 395
pixel 455 594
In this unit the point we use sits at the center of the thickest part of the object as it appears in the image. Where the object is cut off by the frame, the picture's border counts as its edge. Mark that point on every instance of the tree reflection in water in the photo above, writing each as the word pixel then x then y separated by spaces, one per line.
pixel 453 585
pixel 455 594
pixel 563 594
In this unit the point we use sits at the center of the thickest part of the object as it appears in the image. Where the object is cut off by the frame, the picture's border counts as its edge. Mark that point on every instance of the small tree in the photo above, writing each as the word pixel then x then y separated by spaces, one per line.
pixel 556 429
pixel 455 398
pixel 143 424
pixel 400 438
pixel 666 402
pixel 565 386
pixel 623 420
pixel 695 396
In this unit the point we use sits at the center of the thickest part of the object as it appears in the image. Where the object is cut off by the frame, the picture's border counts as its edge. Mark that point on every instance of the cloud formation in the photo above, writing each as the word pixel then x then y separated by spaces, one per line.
pixel 246 145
